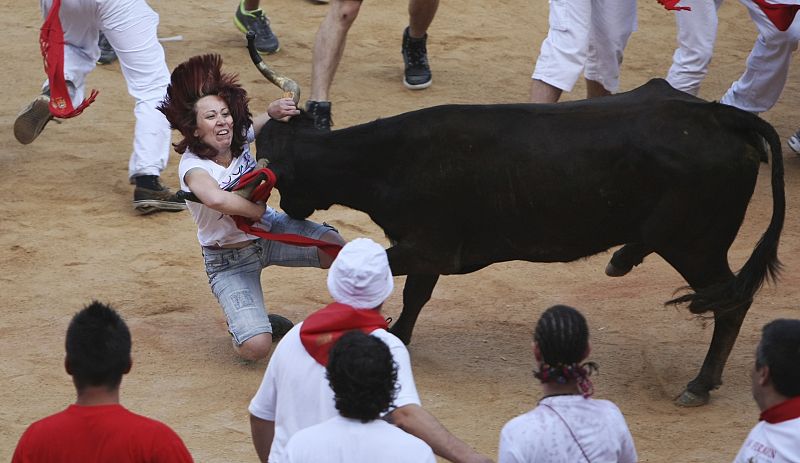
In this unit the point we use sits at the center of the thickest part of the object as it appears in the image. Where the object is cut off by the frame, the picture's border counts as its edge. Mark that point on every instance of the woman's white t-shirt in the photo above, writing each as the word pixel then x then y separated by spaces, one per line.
pixel 213 227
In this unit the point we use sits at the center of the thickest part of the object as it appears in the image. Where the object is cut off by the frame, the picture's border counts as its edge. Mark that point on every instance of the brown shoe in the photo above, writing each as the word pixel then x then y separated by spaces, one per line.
pixel 146 200
pixel 31 120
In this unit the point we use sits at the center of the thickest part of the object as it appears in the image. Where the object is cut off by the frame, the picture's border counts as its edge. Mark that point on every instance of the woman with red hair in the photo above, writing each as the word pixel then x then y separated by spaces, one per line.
pixel 209 109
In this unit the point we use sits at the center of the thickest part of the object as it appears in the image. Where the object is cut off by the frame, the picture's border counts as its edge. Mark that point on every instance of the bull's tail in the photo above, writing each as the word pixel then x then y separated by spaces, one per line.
pixel 763 263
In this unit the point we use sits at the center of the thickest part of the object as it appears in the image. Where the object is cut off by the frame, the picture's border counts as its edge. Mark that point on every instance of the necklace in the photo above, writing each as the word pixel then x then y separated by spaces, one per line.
pixel 224 164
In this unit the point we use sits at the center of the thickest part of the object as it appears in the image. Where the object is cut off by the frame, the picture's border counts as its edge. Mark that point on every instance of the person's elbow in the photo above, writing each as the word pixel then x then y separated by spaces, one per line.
pixel 404 417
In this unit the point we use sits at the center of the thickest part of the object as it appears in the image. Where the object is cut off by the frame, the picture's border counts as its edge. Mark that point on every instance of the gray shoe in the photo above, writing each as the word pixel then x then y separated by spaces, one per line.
pixel 147 201
pixel 107 53
pixel 266 42
pixel 417 74
pixel 31 121
pixel 794 142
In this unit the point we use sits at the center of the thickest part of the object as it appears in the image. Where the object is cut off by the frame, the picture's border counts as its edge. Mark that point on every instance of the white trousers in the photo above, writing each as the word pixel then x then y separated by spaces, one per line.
pixel 131 28
pixel 759 88
pixel 697 32
pixel 588 36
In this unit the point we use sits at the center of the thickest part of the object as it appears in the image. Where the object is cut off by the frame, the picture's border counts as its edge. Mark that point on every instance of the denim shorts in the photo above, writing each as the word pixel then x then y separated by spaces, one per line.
pixel 235 274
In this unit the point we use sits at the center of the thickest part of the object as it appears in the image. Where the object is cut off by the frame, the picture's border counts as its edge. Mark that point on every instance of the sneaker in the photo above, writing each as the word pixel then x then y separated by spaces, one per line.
pixel 107 53
pixel 31 120
pixel 794 142
pixel 320 111
pixel 146 200
pixel 280 326
pixel 257 21
pixel 415 57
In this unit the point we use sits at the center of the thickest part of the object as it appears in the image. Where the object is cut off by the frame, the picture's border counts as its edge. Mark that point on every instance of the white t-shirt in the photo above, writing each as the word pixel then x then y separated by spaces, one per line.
pixel 343 440
pixel 213 227
pixel 540 435
pixel 772 443
pixel 295 393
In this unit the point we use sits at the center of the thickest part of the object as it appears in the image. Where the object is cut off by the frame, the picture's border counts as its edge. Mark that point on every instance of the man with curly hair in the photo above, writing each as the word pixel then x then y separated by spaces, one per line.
pixel 294 393
pixel 362 374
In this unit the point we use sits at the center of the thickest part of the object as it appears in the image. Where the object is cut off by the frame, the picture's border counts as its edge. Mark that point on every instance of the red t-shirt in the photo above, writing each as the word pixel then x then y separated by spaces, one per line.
pixel 100 434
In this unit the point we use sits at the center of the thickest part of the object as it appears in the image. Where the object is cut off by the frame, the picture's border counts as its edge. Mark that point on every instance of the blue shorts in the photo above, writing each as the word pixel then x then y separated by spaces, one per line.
pixel 235 274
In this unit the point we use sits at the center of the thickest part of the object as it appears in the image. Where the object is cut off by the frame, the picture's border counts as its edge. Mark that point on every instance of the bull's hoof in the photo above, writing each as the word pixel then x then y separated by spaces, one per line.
pixel 614 271
pixel 690 399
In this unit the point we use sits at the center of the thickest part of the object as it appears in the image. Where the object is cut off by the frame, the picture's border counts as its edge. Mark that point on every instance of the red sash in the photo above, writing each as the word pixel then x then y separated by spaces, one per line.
pixel 51 42
pixel 781 16
pixel 323 328
pixel 266 180
pixel 784 411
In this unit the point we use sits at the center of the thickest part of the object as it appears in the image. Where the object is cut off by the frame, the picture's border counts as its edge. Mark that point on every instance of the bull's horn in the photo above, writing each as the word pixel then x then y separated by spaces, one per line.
pixel 289 87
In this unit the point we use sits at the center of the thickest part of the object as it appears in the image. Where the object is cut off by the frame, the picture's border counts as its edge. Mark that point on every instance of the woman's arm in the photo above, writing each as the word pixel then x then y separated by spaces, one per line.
pixel 208 191
pixel 278 109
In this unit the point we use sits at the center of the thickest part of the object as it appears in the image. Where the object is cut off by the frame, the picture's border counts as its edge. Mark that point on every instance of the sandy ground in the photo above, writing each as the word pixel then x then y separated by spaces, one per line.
pixel 69 235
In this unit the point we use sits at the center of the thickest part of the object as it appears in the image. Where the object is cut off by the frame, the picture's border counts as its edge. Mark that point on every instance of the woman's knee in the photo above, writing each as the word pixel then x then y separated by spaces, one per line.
pixel 255 348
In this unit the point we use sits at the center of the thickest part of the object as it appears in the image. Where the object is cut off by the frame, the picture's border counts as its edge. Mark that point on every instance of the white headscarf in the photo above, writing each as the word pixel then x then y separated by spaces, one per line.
pixel 360 275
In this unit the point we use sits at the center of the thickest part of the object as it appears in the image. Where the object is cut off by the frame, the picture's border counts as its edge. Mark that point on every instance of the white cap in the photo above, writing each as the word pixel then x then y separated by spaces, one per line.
pixel 360 275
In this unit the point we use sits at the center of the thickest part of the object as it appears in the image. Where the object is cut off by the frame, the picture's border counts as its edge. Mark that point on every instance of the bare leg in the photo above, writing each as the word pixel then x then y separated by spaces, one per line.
pixel 595 89
pixel 420 16
pixel 250 5
pixel 542 92
pixel 329 46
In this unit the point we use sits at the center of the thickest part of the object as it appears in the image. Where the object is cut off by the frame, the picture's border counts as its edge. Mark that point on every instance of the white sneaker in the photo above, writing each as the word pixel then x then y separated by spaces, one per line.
pixel 794 142
pixel 31 121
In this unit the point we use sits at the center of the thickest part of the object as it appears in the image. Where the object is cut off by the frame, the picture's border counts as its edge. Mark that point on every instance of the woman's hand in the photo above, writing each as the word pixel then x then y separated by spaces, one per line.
pixel 282 108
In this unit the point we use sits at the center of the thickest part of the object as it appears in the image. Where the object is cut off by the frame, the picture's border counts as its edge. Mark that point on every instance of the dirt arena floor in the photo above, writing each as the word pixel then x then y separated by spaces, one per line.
pixel 69 235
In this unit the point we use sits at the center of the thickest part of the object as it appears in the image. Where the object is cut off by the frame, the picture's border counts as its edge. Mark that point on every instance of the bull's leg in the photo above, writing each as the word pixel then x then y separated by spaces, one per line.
pixel 726 329
pixel 626 258
pixel 703 267
pixel 416 293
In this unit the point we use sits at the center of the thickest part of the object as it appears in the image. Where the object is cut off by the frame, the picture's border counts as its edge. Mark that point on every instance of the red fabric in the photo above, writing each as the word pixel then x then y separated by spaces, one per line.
pixel 672 5
pixel 51 42
pixel 784 411
pixel 323 328
pixel 261 193
pixel 781 16
pixel 99 434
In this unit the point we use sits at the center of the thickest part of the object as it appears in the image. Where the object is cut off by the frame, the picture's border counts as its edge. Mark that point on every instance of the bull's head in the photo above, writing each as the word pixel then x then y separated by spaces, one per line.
pixel 280 143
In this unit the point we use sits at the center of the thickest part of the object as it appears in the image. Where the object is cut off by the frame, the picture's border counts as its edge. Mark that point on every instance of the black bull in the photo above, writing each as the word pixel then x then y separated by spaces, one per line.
pixel 459 187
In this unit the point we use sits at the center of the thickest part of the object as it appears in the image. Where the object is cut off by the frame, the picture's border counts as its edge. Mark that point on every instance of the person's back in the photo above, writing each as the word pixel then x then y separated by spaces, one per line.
pixel 97 429
pixel 306 398
pixel 102 433
pixel 567 425
pixel 542 433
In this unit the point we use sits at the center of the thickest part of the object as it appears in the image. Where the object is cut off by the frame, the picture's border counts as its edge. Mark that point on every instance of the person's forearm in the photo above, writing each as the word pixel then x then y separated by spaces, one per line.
pixel 262 432
pixel 233 204
pixel 414 420
pixel 259 121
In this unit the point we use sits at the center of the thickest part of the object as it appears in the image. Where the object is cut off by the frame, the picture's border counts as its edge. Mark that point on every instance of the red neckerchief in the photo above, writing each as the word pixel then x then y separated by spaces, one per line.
pixel 265 179
pixel 51 42
pixel 784 411
pixel 781 16
pixel 323 328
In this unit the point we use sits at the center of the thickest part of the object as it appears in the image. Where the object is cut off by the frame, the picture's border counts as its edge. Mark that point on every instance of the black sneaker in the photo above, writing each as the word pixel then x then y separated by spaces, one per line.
pixel 257 21
pixel 107 53
pixel 147 200
pixel 280 326
pixel 31 121
pixel 320 111
pixel 415 57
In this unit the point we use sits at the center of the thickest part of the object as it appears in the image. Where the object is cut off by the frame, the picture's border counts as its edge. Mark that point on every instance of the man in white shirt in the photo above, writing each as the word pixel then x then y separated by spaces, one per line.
pixel 776 390
pixel 294 393
pixel 363 376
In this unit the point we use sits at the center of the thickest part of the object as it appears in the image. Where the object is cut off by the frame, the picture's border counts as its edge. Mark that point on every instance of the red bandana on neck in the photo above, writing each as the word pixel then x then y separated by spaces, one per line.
pixel 323 328
pixel 784 411
pixel 51 42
